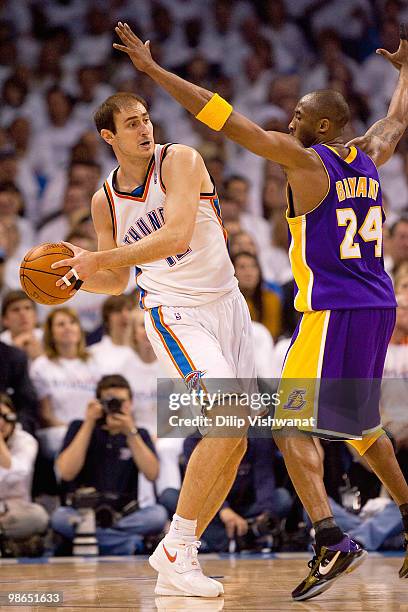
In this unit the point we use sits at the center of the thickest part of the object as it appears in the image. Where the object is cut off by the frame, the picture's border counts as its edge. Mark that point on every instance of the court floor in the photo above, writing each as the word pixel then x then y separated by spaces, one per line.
pixel 251 583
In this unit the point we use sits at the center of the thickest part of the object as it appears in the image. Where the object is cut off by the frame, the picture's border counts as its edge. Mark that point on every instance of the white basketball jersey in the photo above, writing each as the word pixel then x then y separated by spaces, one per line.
pixel 201 274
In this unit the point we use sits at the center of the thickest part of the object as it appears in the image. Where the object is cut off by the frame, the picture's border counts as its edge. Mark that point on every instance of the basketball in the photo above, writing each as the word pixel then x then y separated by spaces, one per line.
pixel 38 279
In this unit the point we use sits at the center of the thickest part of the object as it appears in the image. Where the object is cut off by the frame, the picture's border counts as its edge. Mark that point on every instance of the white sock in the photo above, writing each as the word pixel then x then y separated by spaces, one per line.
pixel 182 528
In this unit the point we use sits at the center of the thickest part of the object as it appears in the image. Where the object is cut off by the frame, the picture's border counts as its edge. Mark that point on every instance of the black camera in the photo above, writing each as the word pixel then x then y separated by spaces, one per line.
pixel 262 525
pixel 113 405
pixel 108 507
pixel 263 530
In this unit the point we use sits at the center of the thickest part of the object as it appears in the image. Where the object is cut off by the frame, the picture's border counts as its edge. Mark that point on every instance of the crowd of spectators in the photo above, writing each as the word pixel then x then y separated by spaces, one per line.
pixel 57 366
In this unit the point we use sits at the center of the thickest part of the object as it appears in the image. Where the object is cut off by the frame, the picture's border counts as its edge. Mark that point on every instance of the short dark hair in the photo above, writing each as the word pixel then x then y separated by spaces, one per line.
pixel 235 177
pixel 90 163
pixel 104 116
pixel 329 104
pixel 14 296
pixel 112 381
pixel 114 303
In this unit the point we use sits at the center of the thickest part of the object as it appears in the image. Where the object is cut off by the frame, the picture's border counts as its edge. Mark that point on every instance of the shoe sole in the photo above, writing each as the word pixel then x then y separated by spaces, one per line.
pixel 327 585
pixel 169 590
pixel 157 565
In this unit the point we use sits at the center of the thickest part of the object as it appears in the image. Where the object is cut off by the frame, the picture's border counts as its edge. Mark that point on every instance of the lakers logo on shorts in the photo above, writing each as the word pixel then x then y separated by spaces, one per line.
pixel 296 400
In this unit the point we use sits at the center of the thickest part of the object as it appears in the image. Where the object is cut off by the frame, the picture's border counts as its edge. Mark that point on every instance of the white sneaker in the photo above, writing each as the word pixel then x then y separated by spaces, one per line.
pixel 176 561
pixel 164 587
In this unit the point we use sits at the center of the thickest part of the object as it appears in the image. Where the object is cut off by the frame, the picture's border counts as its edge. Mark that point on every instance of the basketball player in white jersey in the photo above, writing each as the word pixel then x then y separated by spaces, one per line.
pixel 159 211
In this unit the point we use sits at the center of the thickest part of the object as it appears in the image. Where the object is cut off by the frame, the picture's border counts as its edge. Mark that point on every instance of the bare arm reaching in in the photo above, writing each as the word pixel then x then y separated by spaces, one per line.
pixel 380 140
pixel 279 147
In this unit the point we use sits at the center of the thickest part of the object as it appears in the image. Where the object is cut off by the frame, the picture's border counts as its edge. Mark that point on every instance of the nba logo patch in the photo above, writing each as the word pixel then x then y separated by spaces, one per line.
pixel 296 400
pixel 192 380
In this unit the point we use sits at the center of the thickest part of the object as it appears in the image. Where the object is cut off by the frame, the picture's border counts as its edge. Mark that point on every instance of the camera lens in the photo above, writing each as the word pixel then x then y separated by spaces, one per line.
pixel 112 405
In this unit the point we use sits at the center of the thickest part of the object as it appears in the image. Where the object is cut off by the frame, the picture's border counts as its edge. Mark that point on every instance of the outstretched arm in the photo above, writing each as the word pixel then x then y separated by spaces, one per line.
pixel 381 139
pixel 281 148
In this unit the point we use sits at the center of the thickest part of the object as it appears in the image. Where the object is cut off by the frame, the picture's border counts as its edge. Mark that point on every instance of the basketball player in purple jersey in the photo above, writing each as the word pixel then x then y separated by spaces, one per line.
pixel 335 219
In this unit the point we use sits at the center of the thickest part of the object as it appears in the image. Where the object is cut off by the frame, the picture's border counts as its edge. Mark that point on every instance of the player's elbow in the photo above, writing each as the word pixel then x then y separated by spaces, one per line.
pixel 179 240
pixel 121 282
pixel 182 245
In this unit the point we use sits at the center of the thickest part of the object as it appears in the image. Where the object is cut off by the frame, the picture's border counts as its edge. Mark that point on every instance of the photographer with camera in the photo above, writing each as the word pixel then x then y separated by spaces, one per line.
pixel 21 521
pixel 107 453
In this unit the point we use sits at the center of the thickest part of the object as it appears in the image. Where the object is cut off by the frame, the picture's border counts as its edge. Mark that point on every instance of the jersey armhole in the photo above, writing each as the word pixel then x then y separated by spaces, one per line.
pixel 289 199
pixel 111 209
pixel 162 156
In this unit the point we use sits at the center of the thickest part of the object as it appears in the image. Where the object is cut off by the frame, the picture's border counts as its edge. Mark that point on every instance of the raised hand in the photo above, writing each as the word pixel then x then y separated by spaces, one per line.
pixel 400 57
pixel 138 52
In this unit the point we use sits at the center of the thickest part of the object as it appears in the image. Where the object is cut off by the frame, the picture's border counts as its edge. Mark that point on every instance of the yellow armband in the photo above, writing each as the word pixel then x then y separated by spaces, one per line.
pixel 215 113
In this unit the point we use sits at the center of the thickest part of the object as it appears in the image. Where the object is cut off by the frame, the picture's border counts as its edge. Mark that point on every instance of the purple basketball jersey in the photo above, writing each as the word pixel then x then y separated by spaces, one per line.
pixel 336 249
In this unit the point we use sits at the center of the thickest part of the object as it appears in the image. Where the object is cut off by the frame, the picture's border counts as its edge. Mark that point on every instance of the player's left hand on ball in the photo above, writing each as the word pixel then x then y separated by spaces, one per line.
pixel 138 52
pixel 83 265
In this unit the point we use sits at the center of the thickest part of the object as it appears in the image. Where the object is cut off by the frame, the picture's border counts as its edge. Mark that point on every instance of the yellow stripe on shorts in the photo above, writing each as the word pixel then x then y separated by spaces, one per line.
pixel 299 385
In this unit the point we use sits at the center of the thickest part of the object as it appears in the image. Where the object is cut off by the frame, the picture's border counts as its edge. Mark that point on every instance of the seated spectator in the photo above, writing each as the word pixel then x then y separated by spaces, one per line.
pixel 15 381
pixel 4 288
pixel 19 319
pixel 114 349
pixel 21 521
pixel 12 207
pixel 253 495
pixel 106 451
pixel 398 244
pixel 16 170
pixel 237 189
pixel 62 131
pixel 242 242
pixel 56 228
pixel 264 304
pixel 64 377
pixel 10 237
pixel 377 526
pixel 394 387
pixel 85 174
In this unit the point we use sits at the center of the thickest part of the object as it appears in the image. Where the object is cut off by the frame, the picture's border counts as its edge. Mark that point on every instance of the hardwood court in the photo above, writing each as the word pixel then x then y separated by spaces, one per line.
pixel 250 584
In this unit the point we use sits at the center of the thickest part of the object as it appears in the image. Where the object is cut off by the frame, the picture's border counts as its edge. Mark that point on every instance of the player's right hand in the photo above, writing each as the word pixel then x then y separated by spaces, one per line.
pixel 138 52
pixel 94 411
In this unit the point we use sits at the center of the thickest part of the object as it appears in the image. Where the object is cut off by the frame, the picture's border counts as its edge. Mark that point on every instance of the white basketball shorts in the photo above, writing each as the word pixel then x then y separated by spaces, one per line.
pixel 213 341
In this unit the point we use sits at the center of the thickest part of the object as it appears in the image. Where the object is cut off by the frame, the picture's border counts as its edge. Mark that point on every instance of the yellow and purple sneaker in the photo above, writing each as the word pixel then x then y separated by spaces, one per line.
pixel 329 564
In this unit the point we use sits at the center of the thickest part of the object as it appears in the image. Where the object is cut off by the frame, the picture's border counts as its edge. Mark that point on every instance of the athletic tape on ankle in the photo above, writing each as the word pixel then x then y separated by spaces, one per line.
pixel 215 113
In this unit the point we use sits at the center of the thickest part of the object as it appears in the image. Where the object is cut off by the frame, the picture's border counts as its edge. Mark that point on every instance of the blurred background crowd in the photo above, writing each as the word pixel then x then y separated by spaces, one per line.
pixel 57 65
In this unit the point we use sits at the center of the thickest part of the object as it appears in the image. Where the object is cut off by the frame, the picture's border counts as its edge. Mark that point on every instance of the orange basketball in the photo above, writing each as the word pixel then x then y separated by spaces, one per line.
pixel 38 279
